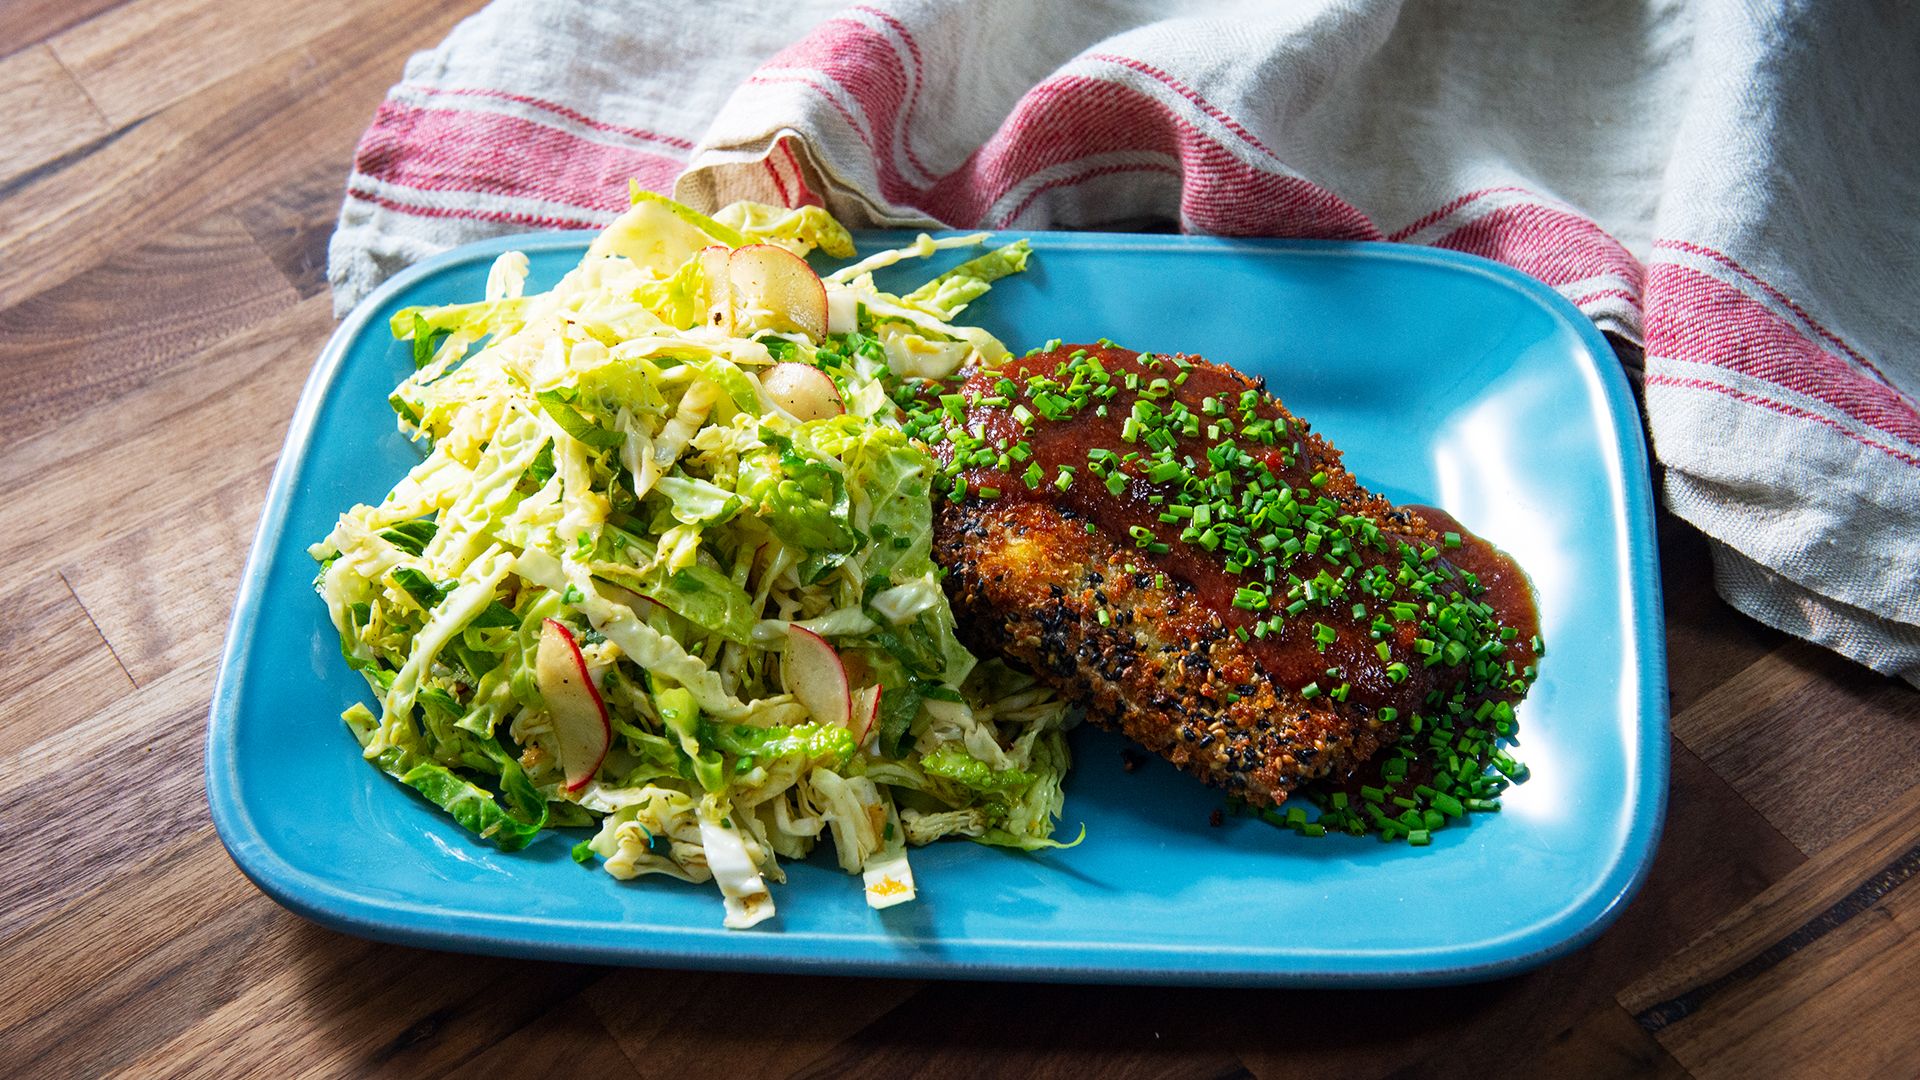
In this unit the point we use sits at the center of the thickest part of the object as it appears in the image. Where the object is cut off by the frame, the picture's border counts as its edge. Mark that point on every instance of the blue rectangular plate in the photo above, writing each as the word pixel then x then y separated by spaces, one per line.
pixel 1446 380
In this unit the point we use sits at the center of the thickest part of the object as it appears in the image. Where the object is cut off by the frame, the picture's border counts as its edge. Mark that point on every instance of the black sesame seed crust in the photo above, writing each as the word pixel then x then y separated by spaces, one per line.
pixel 1029 581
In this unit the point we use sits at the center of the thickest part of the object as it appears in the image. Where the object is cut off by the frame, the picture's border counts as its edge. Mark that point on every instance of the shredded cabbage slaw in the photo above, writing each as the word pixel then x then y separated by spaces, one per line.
pixel 606 457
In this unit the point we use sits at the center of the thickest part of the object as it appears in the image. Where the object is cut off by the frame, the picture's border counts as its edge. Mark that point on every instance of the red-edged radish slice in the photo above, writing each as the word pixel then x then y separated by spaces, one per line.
pixel 816 678
pixel 843 310
pixel 775 280
pixel 803 390
pixel 717 263
pixel 866 714
pixel 579 716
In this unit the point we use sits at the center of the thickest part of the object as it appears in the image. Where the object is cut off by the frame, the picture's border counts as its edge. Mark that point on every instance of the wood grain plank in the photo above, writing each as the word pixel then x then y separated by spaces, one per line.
pixel 148 54
pixel 55 667
pixel 184 967
pixel 156 308
pixel 29 22
pixel 147 903
pixel 135 583
pixel 1845 1007
pixel 197 431
pixel 797 1020
pixel 1792 903
pixel 133 962
pixel 1813 977
pixel 993 1029
pixel 291 339
pixel 567 1041
pixel 349 1008
pixel 43 111
pixel 102 798
pixel 1605 1044
pixel 1816 743
pixel 293 223
pixel 280 117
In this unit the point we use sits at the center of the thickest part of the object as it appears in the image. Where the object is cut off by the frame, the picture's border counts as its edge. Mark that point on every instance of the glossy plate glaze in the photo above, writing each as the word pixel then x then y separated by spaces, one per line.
pixel 1446 379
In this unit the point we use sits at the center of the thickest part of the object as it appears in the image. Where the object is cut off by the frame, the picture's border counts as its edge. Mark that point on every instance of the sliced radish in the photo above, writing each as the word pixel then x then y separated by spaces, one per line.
pixel 843 310
pixel 816 678
pixel 803 390
pixel 579 716
pixel 775 280
pixel 866 714
pixel 716 263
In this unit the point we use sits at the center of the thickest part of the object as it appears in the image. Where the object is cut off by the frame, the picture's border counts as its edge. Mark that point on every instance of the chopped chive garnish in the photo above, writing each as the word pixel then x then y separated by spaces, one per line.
pixel 1244 489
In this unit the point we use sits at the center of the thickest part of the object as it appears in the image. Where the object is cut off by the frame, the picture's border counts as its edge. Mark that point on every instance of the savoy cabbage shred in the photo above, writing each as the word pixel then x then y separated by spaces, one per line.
pixel 610 466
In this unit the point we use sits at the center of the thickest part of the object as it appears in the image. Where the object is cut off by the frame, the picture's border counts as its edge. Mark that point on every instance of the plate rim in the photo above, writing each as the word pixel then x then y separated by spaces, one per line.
pixel 493 933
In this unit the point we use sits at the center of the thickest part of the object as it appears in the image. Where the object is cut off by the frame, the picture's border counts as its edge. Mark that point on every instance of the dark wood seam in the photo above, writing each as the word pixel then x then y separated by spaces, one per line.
pixel 72 157
pixel 1869 893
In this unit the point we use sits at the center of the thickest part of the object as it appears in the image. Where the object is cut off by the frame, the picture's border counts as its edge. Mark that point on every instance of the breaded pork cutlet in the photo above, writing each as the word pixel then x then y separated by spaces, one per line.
pixel 1162 541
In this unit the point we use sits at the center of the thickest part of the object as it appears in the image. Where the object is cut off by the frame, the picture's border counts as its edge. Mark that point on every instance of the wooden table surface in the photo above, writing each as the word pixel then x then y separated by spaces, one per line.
pixel 169 174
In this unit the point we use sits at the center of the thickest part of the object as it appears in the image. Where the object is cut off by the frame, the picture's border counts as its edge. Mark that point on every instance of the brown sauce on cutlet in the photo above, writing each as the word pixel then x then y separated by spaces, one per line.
pixel 1507 588
pixel 1293 650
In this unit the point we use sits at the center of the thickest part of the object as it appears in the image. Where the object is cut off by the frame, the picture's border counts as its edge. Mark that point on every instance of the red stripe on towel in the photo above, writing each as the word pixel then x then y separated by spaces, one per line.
pixel 1696 317
pixel 495 154
pixel 1783 409
pixel 1780 297
pixel 470 213
pixel 918 81
pixel 1056 126
pixel 1450 207
pixel 1553 245
pixel 553 107
pixel 1190 94
pixel 1618 294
